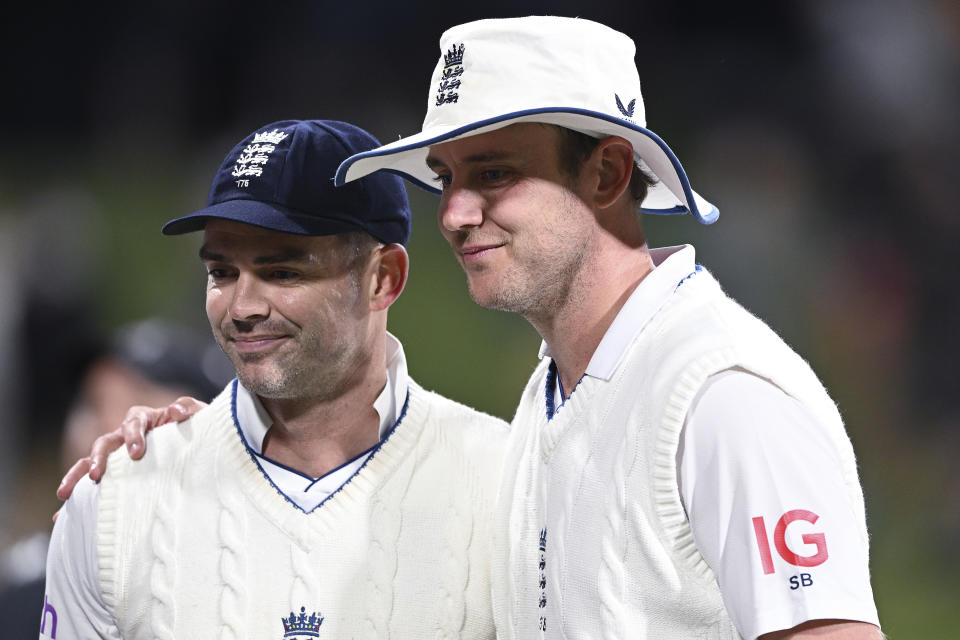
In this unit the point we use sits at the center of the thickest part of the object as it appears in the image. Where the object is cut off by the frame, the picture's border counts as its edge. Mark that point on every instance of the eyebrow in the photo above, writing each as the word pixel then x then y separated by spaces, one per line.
pixel 291 254
pixel 490 156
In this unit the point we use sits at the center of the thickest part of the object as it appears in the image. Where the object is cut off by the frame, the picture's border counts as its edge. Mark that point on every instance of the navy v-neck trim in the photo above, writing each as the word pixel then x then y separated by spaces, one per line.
pixel 553 379
pixel 256 457
pixel 305 476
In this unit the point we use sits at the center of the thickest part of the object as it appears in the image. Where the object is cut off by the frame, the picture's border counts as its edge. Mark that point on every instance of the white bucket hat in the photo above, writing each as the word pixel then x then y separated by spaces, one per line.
pixel 569 72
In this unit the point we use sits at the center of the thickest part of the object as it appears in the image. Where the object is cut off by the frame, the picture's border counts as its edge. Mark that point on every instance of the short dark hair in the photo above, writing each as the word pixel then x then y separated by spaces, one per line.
pixel 357 247
pixel 359 244
pixel 575 147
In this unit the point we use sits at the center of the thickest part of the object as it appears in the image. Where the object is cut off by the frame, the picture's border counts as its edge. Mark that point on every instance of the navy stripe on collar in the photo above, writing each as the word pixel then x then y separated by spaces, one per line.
pixel 255 457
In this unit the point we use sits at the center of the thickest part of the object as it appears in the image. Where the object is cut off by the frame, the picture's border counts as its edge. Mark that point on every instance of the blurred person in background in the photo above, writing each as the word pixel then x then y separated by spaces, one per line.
pixel 150 362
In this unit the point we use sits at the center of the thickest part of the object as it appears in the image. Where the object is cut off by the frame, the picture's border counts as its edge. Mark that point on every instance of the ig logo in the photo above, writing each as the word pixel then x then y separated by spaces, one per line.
pixel 779 541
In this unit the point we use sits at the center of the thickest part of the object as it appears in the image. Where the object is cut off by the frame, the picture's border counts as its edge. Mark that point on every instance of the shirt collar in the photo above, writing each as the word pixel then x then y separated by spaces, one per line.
pixel 255 421
pixel 671 265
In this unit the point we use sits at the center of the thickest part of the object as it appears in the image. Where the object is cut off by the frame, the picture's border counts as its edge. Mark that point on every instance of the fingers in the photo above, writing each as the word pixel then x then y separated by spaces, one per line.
pixel 70 480
pixel 103 447
pixel 141 419
pixel 132 432
pixel 134 428
pixel 94 465
pixel 182 408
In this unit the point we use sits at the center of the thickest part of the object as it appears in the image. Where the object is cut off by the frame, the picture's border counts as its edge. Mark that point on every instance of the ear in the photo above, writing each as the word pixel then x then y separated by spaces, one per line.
pixel 613 162
pixel 389 269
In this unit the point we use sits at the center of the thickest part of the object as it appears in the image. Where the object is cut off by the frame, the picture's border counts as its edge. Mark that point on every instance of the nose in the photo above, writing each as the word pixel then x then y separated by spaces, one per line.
pixel 248 301
pixel 459 209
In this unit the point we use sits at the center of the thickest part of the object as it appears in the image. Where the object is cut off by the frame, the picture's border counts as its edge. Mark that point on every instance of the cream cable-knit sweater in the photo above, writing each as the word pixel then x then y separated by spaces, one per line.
pixel 592 540
pixel 195 542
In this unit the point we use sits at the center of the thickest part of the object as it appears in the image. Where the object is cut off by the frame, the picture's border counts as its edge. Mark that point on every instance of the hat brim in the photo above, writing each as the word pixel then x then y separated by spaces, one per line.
pixel 265 215
pixel 672 193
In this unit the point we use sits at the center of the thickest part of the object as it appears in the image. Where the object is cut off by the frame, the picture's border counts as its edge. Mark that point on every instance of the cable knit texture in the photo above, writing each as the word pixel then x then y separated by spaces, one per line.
pixel 231 530
pixel 600 478
pixel 195 541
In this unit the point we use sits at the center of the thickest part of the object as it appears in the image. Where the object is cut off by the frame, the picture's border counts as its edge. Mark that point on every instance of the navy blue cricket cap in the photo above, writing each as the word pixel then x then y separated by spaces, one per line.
pixel 280 177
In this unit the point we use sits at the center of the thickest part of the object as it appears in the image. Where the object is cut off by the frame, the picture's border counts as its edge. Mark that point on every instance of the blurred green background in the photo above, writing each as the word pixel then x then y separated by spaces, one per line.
pixel 826 133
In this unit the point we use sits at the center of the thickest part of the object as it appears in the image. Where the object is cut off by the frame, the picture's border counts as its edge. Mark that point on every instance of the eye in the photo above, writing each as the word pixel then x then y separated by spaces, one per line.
pixel 443 180
pixel 283 274
pixel 217 273
pixel 492 175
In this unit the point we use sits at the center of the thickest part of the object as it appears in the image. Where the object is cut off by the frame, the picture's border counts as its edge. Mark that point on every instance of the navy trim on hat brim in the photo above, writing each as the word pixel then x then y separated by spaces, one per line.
pixel 704 217
pixel 265 215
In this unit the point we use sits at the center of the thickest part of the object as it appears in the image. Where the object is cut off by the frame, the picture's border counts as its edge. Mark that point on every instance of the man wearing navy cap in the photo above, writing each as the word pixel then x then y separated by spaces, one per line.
pixel 674 469
pixel 323 493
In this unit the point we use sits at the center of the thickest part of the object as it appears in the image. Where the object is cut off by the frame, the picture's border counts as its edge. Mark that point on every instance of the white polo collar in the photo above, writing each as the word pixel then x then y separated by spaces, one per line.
pixel 671 266
pixel 254 420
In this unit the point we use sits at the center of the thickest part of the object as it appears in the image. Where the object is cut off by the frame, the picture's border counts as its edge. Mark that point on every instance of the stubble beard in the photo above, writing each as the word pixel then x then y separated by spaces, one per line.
pixel 534 290
pixel 285 376
pixel 272 380
pixel 538 281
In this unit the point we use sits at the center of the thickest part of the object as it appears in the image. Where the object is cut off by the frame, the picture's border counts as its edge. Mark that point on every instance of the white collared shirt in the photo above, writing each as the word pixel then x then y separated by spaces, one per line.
pixel 305 491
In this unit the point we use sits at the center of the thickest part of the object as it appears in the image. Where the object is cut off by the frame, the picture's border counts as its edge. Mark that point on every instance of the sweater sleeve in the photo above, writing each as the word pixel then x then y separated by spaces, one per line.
pixel 762 485
pixel 73 605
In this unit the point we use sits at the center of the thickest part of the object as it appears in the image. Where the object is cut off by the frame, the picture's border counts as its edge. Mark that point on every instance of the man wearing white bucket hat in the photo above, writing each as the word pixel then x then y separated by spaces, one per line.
pixel 675 469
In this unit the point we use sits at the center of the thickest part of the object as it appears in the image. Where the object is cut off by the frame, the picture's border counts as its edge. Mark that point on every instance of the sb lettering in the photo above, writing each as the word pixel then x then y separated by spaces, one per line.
pixel 802 580
pixel 818 540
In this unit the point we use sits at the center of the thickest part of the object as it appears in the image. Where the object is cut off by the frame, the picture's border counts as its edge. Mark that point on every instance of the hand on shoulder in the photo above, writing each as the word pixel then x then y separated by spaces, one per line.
pixel 132 433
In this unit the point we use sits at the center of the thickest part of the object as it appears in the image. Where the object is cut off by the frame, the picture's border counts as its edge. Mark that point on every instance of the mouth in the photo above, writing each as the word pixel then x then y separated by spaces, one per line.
pixel 256 344
pixel 477 252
